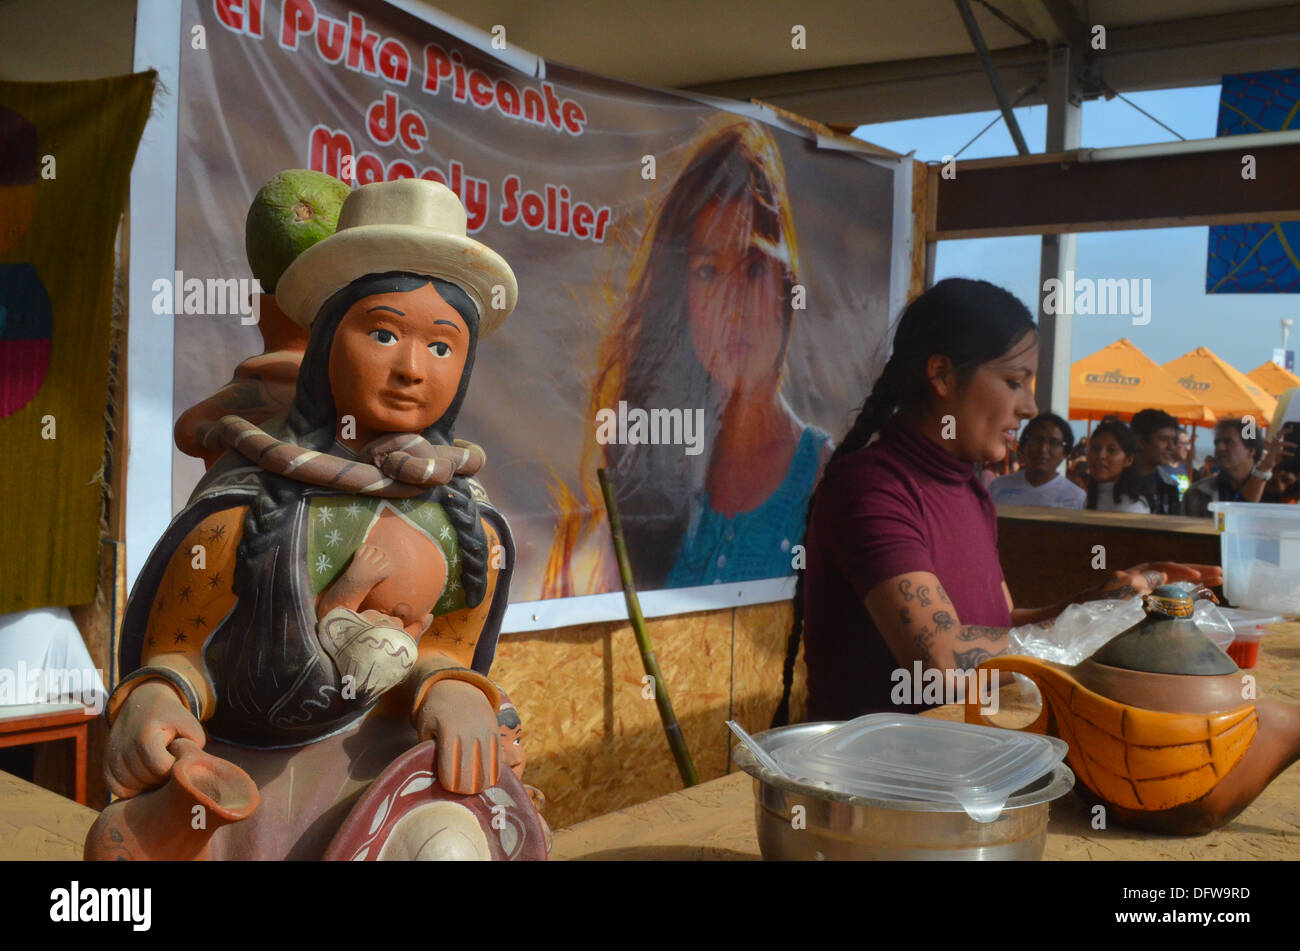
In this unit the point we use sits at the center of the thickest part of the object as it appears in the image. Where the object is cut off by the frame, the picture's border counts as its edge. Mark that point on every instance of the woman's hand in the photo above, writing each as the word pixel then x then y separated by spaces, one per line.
pixel 1146 577
pixel 458 717
pixel 151 718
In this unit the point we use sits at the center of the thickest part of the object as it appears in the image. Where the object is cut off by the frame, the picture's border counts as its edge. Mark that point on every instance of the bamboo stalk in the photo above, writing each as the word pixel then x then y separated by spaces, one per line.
pixel 676 742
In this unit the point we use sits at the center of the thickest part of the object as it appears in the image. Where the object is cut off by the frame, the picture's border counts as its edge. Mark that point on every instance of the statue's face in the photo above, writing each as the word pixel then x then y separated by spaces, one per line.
pixel 396 362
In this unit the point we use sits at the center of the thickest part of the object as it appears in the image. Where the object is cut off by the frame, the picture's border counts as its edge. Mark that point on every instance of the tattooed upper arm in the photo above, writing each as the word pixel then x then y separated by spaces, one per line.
pixel 919 622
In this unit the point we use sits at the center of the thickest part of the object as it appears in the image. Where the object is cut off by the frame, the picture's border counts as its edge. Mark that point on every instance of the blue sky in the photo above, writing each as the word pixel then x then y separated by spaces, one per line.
pixel 1243 329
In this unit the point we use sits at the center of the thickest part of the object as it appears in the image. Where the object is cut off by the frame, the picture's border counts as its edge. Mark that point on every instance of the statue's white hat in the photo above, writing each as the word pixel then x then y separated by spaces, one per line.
pixel 410 225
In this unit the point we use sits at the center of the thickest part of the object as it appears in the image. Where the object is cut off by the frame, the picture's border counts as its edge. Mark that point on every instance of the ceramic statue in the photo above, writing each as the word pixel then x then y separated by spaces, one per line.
pixel 1163 727
pixel 261 388
pixel 312 636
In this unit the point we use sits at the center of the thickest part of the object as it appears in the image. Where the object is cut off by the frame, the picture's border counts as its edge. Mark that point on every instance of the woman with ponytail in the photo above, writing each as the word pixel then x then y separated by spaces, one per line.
pixel 902 559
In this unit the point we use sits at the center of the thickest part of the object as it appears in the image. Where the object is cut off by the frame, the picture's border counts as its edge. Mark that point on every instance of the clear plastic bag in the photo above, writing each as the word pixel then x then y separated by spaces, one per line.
pixel 1081 629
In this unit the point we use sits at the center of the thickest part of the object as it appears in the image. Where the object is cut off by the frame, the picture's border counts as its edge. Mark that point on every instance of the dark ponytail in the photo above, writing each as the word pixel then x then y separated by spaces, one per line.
pixel 969 322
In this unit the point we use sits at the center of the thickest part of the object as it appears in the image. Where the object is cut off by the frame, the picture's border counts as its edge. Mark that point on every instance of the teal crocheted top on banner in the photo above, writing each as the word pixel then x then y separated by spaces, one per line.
pixel 754 544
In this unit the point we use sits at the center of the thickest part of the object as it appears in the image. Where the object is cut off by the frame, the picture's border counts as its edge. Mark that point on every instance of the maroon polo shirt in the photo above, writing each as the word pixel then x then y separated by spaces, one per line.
pixel 901 504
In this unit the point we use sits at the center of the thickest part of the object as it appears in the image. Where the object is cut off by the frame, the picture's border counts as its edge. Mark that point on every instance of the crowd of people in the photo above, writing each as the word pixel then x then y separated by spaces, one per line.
pixel 1146 465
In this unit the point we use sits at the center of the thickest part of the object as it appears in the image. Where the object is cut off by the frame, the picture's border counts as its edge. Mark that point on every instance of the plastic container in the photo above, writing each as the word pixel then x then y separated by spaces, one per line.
pixel 895 756
pixel 1244 651
pixel 1248 627
pixel 1260 545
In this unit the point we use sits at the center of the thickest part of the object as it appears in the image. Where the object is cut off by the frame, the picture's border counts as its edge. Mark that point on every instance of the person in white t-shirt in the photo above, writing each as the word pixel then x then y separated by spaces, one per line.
pixel 1045 443
pixel 1113 481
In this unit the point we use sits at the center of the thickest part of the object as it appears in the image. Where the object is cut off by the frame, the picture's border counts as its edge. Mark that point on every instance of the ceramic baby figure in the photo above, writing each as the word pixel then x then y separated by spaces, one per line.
pixel 323 613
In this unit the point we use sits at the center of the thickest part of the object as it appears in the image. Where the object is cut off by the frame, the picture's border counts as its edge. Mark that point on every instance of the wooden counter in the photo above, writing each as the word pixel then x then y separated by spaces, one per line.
pixel 715 820
pixel 1048 554
pixel 38 824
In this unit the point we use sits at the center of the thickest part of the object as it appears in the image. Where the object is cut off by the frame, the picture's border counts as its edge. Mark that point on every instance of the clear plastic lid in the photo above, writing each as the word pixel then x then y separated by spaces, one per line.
pixel 901 756
pixel 1244 621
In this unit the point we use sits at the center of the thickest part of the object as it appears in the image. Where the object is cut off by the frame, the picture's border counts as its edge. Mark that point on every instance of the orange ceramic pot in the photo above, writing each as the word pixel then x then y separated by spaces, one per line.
pixel 1164 751
pixel 175 821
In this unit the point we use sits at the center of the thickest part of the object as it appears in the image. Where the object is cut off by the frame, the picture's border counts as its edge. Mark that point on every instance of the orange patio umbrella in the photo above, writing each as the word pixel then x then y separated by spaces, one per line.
pixel 1120 380
pixel 1273 379
pixel 1220 386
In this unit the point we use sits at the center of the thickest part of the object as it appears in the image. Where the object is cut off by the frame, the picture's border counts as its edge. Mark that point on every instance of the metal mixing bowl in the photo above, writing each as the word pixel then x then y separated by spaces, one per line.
pixel 841 826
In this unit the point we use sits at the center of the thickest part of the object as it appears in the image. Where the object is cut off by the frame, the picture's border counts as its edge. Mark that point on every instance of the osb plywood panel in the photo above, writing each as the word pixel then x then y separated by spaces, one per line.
pixel 594 742
pixel 758 656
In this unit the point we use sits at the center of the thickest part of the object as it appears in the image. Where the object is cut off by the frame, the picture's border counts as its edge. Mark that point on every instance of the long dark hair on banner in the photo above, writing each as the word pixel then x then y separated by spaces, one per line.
pixel 648 357
pixel 1129 483
pixel 969 322
pixel 313 420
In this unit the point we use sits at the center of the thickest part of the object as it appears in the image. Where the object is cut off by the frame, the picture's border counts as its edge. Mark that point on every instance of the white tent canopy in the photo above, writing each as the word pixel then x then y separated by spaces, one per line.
pixel 870 61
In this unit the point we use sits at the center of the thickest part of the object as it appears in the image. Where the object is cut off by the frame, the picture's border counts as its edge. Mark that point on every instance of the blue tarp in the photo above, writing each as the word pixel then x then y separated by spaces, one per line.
pixel 1256 258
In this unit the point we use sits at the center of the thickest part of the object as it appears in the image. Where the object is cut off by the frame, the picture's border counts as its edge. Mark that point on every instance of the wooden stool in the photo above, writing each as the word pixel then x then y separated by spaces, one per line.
pixel 45 722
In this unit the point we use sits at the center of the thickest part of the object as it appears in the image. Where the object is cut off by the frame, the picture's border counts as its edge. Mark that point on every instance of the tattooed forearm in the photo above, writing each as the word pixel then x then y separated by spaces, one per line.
pixel 905 615
pixel 944 621
pixel 976 632
pixel 905 589
pixel 923 592
pixel 969 660
pixel 923 640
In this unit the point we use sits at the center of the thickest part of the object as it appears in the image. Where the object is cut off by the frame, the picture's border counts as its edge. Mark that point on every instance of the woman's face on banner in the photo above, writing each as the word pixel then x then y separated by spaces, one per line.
pixel 734 297
pixel 396 361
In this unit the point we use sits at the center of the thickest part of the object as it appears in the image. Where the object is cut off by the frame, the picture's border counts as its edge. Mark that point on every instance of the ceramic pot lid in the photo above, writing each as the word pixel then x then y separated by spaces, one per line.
pixel 1167 640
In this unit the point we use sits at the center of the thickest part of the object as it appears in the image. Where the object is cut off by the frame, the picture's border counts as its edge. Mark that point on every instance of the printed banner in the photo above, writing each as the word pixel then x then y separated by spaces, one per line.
pixel 1261 258
pixel 65 160
pixel 703 297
